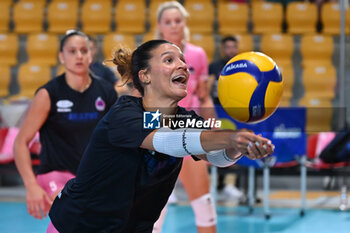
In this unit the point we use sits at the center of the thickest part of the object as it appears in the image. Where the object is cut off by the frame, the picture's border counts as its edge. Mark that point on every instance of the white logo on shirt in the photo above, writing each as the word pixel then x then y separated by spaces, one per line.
pixel 64 106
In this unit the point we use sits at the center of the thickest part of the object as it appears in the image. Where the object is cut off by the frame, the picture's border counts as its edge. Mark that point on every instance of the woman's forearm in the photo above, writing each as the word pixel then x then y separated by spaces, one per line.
pixel 24 163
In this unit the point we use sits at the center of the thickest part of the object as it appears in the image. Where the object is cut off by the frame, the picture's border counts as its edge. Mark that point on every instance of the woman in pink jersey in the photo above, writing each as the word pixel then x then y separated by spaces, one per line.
pixel 171 18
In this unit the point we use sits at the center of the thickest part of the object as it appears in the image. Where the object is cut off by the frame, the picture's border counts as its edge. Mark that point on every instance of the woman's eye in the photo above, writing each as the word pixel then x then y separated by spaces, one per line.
pixel 168 60
pixel 84 51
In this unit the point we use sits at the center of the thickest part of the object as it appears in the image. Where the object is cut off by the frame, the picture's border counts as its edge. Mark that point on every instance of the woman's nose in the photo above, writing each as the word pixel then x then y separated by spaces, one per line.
pixel 173 24
pixel 79 54
pixel 183 65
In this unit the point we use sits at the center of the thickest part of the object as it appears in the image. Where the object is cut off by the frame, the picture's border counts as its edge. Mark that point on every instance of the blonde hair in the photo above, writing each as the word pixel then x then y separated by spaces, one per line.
pixel 172 5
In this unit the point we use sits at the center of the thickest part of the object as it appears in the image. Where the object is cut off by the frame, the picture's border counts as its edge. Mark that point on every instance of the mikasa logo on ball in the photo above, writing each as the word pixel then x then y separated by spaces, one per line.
pixel 235 66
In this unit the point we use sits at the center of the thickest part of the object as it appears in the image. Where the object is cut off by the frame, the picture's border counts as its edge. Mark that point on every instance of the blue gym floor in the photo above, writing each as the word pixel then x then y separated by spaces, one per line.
pixel 15 219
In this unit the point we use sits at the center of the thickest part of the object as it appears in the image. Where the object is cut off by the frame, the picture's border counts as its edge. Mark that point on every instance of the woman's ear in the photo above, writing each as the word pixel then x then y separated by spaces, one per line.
pixel 144 77
pixel 60 57
pixel 91 58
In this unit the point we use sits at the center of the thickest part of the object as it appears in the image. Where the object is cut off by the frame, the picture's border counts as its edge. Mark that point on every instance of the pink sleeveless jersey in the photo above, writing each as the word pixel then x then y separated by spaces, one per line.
pixel 197 63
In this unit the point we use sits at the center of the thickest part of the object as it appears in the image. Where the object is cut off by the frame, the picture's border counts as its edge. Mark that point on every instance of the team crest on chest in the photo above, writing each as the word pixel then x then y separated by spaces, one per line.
pixel 100 104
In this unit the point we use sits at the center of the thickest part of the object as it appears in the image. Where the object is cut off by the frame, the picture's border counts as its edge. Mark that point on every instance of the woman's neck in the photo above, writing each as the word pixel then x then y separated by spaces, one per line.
pixel 165 106
pixel 79 83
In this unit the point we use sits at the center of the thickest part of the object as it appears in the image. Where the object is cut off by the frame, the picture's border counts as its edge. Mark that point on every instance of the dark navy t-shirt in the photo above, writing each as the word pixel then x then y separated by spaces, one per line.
pixel 72 118
pixel 119 186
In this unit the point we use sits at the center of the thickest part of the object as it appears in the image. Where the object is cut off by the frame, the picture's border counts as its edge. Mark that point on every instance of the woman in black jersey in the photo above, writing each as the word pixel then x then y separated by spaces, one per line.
pixel 131 164
pixel 65 111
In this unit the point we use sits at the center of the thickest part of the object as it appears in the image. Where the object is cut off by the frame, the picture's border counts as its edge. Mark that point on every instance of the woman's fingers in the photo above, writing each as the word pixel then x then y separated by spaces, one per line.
pixel 254 150
pixel 39 208
pixel 259 147
pixel 34 210
pixel 252 145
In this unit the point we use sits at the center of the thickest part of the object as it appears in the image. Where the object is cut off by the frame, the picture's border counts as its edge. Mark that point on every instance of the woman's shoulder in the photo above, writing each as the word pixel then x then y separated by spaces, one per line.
pixel 128 103
pixel 194 49
pixel 103 87
pixel 55 82
pixel 129 99
pixel 125 108
pixel 101 82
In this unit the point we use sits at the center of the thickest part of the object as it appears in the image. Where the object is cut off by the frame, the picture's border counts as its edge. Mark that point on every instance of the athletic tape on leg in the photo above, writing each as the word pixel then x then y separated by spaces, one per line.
pixel 204 210
pixel 157 227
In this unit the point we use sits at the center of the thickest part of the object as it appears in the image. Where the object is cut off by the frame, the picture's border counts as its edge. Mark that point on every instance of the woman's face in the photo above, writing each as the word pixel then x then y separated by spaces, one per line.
pixel 171 25
pixel 168 73
pixel 76 56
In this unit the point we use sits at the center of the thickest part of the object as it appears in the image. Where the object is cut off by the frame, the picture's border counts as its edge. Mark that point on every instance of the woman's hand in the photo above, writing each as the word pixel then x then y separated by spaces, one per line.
pixel 38 201
pixel 259 150
pixel 253 146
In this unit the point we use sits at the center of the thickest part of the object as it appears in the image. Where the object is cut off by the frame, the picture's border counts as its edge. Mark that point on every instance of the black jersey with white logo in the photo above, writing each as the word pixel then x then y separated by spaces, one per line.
pixel 72 118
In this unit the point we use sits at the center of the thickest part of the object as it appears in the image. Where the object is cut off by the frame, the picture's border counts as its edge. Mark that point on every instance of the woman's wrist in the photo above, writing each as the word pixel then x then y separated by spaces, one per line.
pixel 233 154
pixel 220 158
pixel 214 140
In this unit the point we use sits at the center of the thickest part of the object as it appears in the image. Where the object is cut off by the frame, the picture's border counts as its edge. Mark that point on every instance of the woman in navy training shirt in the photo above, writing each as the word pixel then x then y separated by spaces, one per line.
pixel 127 171
pixel 65 111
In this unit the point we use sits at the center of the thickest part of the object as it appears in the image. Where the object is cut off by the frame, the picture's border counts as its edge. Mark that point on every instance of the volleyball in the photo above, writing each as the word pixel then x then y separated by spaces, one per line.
pixel 250 87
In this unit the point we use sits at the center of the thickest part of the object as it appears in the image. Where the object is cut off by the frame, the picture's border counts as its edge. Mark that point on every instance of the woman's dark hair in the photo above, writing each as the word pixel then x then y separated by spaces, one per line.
pixel 129 64
pixel 69 34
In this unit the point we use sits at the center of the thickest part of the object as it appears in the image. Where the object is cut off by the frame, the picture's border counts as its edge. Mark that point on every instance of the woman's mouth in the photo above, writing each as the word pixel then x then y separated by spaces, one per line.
pixel 180 80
